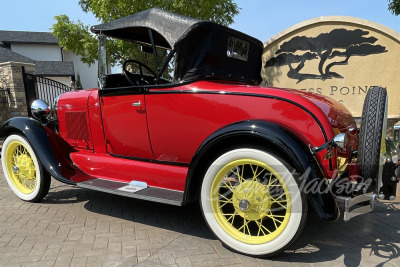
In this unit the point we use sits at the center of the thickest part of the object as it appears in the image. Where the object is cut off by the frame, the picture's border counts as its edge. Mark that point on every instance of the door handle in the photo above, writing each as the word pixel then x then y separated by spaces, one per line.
pixel 137 104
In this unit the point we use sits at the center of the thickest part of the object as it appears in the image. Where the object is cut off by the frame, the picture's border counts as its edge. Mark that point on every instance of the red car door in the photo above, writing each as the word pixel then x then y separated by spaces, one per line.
pixel 125 126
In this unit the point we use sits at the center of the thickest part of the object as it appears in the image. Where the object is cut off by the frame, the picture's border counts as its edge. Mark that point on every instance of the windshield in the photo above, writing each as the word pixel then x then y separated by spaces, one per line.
pixel 120 56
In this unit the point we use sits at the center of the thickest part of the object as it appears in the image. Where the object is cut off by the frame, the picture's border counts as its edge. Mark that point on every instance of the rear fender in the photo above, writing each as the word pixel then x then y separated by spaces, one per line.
pixel 51 150
pixel 286 143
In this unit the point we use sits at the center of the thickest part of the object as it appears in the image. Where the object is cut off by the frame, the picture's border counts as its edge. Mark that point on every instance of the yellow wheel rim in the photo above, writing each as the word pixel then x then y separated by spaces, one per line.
pixel 250 201
pixel 21 167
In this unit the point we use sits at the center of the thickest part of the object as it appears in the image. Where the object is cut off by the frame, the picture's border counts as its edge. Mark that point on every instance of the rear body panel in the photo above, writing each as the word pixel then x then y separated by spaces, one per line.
pixel 210 110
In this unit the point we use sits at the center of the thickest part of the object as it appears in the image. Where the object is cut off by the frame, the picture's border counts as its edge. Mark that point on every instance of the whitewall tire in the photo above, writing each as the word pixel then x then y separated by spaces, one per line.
pixel 252 202
pixel 22 169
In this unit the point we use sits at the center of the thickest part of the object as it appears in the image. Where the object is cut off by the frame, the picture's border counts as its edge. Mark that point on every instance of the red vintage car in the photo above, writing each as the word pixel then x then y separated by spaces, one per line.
pixel 199 127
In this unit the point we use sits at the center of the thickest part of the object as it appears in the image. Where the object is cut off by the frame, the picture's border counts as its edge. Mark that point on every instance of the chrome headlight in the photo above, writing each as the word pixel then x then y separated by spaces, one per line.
pixel 40 109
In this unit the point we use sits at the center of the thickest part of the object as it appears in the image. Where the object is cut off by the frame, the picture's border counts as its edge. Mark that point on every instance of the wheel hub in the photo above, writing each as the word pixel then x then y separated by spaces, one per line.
pixel 244 204
pixel 15 169
pixel 25 167
pixel 251 200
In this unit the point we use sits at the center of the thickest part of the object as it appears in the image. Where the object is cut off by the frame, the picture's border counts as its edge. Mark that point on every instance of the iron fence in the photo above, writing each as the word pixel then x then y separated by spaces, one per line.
pixel 37 87
pixel 48 89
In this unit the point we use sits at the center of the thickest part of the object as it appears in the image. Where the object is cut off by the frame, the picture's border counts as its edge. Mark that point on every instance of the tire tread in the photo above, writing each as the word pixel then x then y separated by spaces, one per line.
pixel 370 137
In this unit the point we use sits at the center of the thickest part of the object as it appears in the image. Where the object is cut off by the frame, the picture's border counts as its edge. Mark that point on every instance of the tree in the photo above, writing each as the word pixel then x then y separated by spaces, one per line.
pixel 394 6
pixel 78 82
pixel 326 46
pixel 75 36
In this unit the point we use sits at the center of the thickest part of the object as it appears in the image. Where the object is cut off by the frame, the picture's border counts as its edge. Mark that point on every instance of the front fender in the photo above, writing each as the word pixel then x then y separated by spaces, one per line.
pixel 289 145
pixel 46 144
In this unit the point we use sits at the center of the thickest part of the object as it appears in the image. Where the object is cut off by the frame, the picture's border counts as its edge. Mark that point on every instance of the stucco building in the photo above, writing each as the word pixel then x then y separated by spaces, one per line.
pixel 50 60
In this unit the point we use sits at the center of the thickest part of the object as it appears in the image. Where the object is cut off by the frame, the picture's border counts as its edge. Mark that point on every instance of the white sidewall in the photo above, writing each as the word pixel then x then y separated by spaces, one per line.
pixel 296 203
pixel 26 197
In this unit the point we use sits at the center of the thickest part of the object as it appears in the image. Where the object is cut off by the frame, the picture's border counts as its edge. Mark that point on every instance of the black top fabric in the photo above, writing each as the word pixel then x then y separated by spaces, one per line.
pixel 202 53
pixel 167 27
pixel 202 47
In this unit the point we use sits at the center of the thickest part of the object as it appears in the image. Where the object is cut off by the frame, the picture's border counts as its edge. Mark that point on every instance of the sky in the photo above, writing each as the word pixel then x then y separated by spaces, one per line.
pixel 262 19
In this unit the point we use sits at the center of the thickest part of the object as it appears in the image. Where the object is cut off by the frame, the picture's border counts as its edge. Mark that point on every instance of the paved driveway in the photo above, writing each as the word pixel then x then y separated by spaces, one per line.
pixel 78 227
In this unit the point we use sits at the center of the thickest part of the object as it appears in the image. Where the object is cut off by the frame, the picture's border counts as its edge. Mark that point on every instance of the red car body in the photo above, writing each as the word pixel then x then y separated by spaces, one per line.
pixel 114 139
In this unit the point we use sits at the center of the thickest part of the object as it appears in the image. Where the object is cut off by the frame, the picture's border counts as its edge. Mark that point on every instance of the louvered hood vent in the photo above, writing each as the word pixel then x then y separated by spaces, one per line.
pixel 77 129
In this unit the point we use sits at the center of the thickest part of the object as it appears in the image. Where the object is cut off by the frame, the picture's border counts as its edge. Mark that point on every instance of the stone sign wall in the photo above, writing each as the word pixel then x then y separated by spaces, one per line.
pixel 12 97
pixel 340 57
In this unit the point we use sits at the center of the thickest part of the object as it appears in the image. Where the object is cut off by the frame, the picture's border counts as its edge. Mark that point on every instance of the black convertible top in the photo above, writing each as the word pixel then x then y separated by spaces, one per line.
pixel 167 27
pixel 204 49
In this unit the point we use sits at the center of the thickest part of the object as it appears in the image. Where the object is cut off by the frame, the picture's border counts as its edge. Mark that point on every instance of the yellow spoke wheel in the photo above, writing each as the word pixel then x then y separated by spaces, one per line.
pixel 22 169
pixel 252 201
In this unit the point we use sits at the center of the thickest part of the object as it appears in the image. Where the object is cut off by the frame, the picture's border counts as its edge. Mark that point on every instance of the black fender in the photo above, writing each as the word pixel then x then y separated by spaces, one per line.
pixel 286 143
pixel 46 144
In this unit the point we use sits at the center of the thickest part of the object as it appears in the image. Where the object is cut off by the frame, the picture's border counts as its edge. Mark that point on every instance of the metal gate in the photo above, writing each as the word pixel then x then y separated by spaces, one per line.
pixel 42 88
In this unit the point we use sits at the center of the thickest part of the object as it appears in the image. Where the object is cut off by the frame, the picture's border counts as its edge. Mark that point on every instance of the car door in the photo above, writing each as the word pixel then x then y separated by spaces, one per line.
pixel 125 124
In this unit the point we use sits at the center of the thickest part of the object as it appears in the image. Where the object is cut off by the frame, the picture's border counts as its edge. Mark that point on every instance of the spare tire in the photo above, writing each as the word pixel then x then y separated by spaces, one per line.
pixel 371 146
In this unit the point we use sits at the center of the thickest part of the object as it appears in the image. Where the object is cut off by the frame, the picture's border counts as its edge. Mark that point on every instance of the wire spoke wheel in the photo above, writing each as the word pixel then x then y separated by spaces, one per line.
pixel 22 169
pixel 252 202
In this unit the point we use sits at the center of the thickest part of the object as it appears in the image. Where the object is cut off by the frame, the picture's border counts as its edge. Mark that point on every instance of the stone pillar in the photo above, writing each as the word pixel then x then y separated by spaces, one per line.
pixel 13 98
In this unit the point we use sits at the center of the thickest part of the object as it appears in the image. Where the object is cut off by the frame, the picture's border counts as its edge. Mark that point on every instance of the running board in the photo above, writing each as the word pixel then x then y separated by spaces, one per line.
pixel 155 194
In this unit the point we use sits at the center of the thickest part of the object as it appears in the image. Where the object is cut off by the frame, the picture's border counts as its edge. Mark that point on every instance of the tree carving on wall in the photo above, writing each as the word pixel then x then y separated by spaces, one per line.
pixel 331 49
